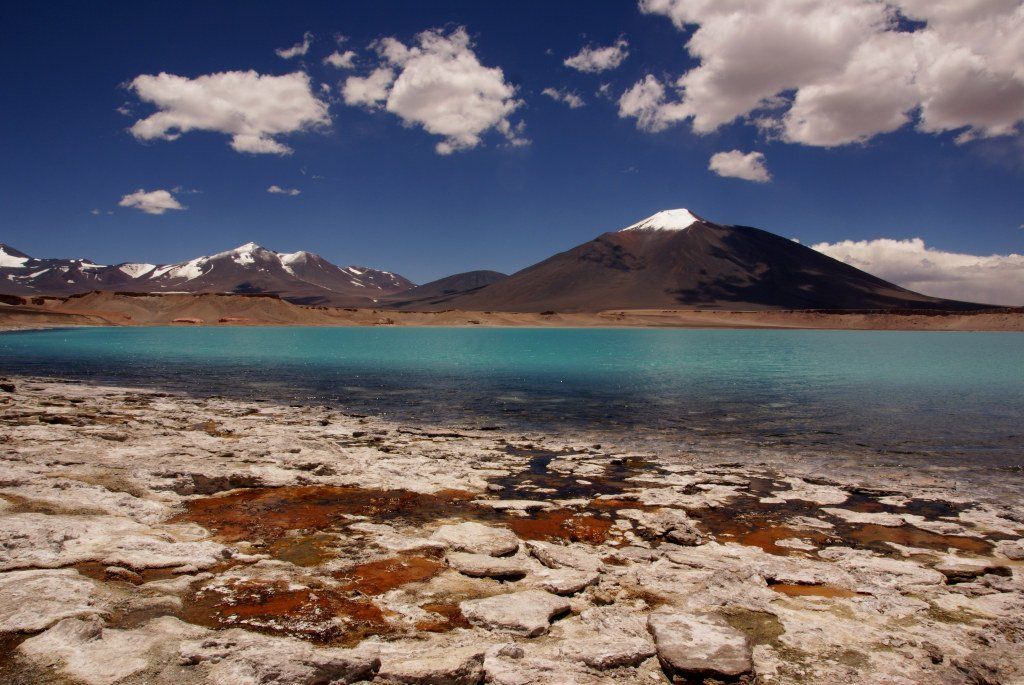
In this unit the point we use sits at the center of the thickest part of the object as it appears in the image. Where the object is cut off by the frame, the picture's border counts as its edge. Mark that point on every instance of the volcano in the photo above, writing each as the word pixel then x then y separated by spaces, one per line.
pixel 678 260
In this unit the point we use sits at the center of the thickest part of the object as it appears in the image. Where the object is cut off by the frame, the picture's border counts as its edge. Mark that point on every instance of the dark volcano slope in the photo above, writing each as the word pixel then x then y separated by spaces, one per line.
pixel 700 266
pixel 436 293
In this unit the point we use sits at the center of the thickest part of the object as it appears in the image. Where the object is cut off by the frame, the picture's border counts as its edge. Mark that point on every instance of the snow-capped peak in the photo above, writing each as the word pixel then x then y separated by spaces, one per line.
pixel 666 220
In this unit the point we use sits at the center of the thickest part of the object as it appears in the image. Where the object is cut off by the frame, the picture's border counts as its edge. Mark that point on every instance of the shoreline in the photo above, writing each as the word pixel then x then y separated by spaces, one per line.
pixel 224 536
pixel 216 310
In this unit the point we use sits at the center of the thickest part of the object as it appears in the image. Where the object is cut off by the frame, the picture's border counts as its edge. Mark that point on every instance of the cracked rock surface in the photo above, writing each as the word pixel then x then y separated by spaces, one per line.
pixel 156 538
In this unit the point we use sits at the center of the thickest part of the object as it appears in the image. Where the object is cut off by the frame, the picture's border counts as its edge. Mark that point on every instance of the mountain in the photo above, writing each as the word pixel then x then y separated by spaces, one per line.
pixel 430 295
pixel 677 260
pixel 302 277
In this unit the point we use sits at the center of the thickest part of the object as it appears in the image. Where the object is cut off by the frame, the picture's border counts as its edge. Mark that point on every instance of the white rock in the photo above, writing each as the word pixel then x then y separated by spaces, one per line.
pixel 563 556
pixel 878 518
pixel 674 524
pixel 795 543
pixel 477 538
pixel 564 581
pixel 238 657
pixel 486 566
pixel 810 492
pixel 452 666
pixel 700 645
pixel 613 650
pixel 47 541
pixel 31 601
pixel 528 613
pixel 86 651
pixel 1011 549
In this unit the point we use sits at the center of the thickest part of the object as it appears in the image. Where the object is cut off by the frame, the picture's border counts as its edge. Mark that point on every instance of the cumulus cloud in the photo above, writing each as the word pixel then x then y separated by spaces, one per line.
pixel 250 107
pixel 993 279
pixel 151 202
pixel 593 60
pixel 341 60
pixel 834 72
pixel 573 100
pixel 368 91
pixel 735 164
pixel 439 84
pixel 297 50
pixel 278 190
pixel 647 103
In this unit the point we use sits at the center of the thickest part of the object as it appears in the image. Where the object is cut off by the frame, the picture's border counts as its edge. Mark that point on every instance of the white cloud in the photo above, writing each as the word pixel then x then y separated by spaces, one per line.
pixel 735 164
pixel 278 190
pixel 647 103
pixel 297 50
pixel 993 279
pixel 438 83
pixel 368 91
pixel 341 60
pixel 568 97
pixel 835 72
pixel 250 107
pixel 151 202
pixel 593 60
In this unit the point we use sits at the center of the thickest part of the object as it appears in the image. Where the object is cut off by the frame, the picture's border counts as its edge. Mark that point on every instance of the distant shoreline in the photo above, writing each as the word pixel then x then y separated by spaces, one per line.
pixel 201 310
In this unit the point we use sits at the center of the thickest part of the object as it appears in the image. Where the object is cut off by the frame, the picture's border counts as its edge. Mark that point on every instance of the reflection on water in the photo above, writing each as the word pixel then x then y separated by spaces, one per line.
pixel 933 395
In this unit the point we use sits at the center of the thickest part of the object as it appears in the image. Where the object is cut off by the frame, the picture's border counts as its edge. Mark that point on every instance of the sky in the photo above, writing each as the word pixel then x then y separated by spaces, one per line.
pixel 433 138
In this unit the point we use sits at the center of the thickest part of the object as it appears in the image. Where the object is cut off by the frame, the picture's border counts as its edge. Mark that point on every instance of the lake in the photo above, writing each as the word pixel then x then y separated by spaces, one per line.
pixel 944 397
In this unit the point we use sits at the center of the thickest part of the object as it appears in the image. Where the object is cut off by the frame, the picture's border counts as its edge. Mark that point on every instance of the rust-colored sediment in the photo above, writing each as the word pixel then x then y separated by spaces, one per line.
pixel 871 535
pixel 267 514
pixel 448 617
pixel 561 524
pixel 378 577
pixel 316 614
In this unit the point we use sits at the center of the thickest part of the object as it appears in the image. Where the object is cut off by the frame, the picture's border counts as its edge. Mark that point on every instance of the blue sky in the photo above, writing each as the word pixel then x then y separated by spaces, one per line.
pixel 373 188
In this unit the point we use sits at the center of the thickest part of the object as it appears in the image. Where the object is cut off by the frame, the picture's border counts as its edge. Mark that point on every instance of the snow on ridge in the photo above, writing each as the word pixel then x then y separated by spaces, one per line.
pixel 666 220
pixel 10 261
pixel 136 270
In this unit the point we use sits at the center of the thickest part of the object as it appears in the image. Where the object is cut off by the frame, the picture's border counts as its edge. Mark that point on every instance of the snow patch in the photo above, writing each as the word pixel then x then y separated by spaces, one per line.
pixel 136 270
pixel 10 261
pixel 667 220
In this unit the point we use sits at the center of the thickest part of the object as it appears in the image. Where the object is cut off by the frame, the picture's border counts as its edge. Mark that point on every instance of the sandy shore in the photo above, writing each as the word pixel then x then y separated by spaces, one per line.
pixel 154 538
pixel 120 309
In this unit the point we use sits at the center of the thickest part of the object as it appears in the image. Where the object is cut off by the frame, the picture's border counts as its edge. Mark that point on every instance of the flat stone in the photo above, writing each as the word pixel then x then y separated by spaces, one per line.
pixel 961 570
pixel 564 581
pixel 561 556
pixel 673 524
pixel 31 601
pixel 700 645
pixel 485 566
pixel 1011 549
pixel 84 650
pixel 527 613
pixel 878 518
pixel 458 666
pixel 238 657
pixel 477 538
pixel 609 651
pixel 795 543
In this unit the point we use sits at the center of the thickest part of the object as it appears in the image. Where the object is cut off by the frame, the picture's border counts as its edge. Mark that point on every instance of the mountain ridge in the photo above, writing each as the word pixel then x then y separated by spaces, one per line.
pixel 301 277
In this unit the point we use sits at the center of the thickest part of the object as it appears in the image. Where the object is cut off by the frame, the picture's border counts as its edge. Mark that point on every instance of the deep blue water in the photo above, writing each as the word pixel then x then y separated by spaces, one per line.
pixel 948 396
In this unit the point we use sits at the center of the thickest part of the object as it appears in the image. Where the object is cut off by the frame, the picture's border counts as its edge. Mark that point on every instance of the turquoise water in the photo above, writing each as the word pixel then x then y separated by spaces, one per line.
pixel 938 395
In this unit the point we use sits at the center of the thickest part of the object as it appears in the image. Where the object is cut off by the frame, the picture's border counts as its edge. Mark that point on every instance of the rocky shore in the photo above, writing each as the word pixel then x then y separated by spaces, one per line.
pixel 156 538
